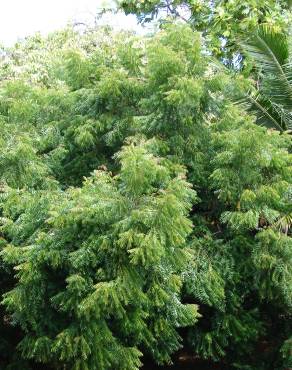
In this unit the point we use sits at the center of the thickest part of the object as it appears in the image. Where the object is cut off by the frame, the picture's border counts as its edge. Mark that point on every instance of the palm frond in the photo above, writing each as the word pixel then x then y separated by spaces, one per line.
pixel 271 53
pixel 284 223
pixel 285 116
pixel 264 110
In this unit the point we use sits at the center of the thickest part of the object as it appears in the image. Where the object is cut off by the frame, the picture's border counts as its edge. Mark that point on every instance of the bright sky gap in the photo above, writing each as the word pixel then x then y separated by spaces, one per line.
pixel 19 18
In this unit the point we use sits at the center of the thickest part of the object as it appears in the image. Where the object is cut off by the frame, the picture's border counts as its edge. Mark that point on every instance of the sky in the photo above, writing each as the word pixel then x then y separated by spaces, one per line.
pixel 21 18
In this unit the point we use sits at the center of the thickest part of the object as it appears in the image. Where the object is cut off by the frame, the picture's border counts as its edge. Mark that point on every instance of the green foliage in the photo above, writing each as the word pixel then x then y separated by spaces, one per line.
pixel 272 101
pixel 105 259
pixel 137 199
pixel 218 20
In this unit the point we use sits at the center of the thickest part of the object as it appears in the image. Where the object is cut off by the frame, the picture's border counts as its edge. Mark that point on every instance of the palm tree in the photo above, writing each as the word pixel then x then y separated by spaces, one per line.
pixel 272 101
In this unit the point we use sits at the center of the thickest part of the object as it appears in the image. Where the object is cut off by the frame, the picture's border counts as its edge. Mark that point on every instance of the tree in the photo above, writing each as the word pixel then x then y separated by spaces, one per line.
pixel 106 145
pixel 99 280
pixel 272 101
pixel 222 22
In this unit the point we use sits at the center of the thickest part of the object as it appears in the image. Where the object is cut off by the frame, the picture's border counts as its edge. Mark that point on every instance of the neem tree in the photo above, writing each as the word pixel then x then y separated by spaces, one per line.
pixel 186 202
pixel 100 280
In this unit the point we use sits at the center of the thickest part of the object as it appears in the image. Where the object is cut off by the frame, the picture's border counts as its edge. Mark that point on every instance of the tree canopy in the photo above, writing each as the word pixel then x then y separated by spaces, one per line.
pixel 142 209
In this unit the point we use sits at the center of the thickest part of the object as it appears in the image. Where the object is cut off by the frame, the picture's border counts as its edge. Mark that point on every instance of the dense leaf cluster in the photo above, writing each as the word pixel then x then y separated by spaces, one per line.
pixel 137 199
pixel 221 21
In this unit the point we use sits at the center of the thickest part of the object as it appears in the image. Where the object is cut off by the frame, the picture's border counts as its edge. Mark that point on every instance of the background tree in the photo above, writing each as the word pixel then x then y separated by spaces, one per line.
pixel 221 22
pixel 272 101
